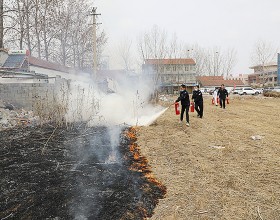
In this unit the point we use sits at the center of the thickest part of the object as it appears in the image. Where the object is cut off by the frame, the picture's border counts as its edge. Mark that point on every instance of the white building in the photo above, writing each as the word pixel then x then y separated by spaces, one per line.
pixel 264 75
pixel 169 74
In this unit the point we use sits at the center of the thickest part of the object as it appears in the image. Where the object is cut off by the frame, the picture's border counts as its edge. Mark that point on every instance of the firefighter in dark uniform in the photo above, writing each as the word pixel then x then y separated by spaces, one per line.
pixel 185 103
pixel 198 101
pixel 223 94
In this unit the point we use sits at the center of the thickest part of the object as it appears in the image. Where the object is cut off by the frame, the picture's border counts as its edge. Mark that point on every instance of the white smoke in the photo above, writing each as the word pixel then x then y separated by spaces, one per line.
pixel 128 104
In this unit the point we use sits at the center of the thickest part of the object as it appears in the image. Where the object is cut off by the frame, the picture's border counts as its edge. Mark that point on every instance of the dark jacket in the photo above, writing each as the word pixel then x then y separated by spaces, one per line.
pixel 197 96
pixel 184 98
pixel 222 93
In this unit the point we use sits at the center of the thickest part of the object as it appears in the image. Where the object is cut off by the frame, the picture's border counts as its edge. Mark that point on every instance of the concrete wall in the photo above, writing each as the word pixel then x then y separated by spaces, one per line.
pixel 47 100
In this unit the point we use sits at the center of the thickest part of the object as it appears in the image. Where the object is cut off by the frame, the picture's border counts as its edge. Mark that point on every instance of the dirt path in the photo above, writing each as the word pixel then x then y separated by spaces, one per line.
pixel 239 181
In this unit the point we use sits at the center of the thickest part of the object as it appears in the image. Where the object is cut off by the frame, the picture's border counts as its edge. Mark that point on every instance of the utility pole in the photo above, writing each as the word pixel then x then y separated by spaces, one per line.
pixel 94 15
pixel 216 60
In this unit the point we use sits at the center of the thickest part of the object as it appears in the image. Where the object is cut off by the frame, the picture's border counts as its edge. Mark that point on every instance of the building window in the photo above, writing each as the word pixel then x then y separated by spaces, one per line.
pixel 174 68
pixel 187 67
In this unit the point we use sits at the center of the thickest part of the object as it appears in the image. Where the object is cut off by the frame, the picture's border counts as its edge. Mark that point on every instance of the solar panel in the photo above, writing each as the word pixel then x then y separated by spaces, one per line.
pixel 14 61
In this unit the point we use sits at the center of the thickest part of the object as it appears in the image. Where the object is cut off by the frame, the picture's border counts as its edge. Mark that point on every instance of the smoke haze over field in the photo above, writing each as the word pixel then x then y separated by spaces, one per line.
pixel 128 105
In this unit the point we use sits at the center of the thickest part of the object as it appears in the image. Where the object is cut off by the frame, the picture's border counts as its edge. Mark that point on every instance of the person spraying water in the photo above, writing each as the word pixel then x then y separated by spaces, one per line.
pixel 185 104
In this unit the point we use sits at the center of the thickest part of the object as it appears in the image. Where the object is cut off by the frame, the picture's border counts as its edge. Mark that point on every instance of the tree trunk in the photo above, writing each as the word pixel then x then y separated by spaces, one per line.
pixel 28 27
pixel 37 31
pixel 21 24
pixel 46 49
pixel 1 24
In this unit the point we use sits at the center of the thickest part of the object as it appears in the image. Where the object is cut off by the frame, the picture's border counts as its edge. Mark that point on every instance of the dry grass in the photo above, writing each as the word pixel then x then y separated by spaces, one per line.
pixel 272 94
pixel 239 181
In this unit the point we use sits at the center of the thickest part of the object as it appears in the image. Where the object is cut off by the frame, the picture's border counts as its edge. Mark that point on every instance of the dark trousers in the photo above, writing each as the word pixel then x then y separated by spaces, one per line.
pixel 183 109
pixel 223 103
pixel 199 108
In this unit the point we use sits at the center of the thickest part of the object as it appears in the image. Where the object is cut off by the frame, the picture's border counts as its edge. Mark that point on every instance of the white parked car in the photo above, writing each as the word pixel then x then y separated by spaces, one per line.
pixel 236 90
pixel 276 89
pixel 258 91
pixel 248 91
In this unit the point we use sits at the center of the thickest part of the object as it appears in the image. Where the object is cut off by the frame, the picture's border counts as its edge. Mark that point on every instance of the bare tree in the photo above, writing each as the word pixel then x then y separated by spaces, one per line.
pixel 20 18
pixel 47 27
pixel 153 45
pixel 263 53
pixel 101 42
pixel 212 61
pixel 1 23
pixel 198 54
pixel 124 51
pixel 229 62
pixel 27 7
pixel 176 51
pixel 57 30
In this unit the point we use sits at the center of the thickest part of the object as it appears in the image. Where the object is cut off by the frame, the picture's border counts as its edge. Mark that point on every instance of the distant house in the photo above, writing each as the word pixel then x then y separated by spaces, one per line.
pixel 169 74
pixel 264 75
pixel 254 79
pixel 217 81
pixel 243 77
pixel 20 63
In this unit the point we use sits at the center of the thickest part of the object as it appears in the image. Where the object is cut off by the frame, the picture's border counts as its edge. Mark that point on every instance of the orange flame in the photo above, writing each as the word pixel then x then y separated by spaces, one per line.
pixel 140 163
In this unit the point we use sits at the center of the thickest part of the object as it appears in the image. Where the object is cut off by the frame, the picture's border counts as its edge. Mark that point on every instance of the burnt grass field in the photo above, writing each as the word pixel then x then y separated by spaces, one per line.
pixel 74 173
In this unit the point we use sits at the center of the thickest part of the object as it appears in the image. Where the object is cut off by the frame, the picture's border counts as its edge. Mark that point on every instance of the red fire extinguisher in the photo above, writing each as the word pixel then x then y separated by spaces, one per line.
pixel 177 111
pixel 192 107
pixel 227 100
pixel 213 101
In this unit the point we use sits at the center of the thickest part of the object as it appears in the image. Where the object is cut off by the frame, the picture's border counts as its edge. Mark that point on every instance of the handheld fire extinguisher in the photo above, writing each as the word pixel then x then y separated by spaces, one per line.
pixel 177 111
pixel 192 107
pixel 227 100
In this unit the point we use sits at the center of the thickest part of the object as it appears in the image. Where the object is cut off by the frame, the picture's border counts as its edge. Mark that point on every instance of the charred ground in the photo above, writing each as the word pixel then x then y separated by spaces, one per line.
pixel 60 173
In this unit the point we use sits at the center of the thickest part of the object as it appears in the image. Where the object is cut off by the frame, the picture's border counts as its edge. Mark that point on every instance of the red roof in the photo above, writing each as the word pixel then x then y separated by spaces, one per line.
pixel 48 65
pixel 217 81
pixel 169 61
